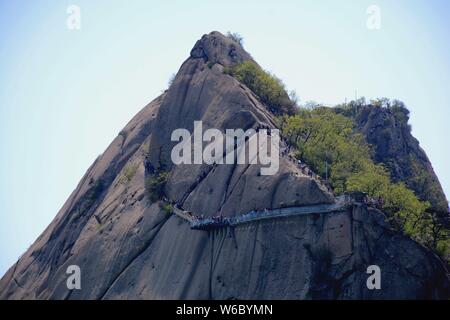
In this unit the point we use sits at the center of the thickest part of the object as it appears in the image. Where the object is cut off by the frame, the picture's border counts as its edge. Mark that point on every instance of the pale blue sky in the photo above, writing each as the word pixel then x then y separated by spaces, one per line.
pixel 64 95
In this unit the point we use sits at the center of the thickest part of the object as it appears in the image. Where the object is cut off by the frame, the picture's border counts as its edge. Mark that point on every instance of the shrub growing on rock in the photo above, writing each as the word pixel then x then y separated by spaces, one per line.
pixel 265 85
pixel 155 184
pixel 236 37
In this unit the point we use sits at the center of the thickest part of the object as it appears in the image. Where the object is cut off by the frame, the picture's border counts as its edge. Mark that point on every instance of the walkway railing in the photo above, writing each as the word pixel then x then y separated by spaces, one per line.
pixel 184 215
pixel 200 223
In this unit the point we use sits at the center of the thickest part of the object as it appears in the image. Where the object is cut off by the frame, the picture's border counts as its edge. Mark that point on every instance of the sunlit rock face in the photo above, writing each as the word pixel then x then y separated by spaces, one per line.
pixel 129 247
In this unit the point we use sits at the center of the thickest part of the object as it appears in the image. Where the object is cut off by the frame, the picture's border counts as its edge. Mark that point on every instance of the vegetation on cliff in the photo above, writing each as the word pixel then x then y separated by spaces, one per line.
pixel 327 141
pixel 384 124
pixel 155 185
pixel 236 37
pixel 265 85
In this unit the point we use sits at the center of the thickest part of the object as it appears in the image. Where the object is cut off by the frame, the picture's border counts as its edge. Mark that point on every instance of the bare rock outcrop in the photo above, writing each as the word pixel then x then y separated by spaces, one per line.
pixel 388 131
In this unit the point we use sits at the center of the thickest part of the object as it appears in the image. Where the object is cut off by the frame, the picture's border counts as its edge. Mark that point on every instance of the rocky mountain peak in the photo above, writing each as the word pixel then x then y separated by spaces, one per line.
pixel 123 225
pixel 218 48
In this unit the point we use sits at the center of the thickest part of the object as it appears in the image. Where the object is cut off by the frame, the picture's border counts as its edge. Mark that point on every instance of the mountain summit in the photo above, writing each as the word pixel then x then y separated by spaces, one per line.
pixel 132 227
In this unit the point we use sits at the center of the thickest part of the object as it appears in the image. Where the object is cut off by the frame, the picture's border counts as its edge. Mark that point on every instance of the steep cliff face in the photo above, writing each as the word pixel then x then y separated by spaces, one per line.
pixel 388 131
pixel 129 247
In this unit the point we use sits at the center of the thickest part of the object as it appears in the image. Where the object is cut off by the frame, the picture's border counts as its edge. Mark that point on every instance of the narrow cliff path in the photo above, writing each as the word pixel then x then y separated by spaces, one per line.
pixel 198 223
